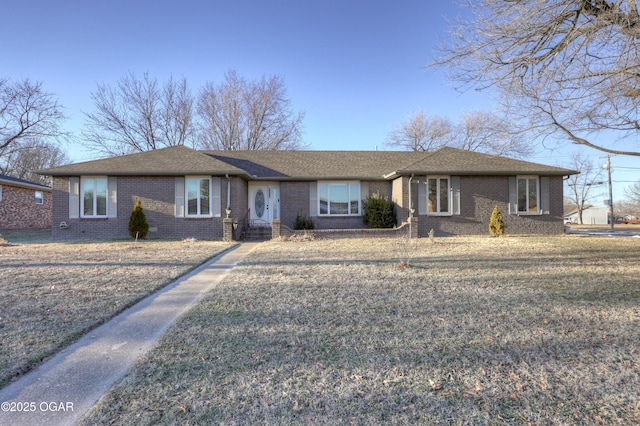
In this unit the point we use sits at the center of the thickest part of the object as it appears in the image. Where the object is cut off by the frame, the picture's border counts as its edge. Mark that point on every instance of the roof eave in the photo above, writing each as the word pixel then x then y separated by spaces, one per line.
pixel 480 173
pixel 25 185
pixel 149 173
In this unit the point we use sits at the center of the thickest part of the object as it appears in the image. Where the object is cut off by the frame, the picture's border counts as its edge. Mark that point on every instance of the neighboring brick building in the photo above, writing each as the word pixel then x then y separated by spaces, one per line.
pixel 188 193
pixel 24 204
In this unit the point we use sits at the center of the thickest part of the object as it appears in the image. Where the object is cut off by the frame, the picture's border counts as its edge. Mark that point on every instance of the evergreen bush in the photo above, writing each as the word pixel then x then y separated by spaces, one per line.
pixel 303 222
pixel 138 226
pixel 378 212
pixel 496 225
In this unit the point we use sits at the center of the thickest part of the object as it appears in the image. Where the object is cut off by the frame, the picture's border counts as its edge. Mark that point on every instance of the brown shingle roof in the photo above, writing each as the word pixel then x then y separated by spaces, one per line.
pixel 305 165
pixel 177 160
pixel 460 162
pixel 317 164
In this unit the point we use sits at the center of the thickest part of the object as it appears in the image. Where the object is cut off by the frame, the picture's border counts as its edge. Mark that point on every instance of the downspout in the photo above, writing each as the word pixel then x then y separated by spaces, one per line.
pixel 228 209
pixel 411 210
pixel 410 207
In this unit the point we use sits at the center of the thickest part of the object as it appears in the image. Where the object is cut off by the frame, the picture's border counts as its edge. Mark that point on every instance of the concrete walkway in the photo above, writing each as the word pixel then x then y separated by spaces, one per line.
pixel 64 388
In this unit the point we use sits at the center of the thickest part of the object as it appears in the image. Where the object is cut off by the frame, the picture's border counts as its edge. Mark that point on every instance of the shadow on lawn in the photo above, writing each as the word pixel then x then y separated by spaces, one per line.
pixel 26 236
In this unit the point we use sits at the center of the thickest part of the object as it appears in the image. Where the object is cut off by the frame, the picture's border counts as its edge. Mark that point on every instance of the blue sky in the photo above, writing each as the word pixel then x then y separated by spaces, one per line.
pixel 356 67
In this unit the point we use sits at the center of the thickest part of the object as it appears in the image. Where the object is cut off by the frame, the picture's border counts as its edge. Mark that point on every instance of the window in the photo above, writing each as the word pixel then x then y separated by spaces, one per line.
pixel 438 189
pixel 0 192
pixel 93 202
pixel 339 198
pixel 528 194
pixel 198 196
pixel 39 197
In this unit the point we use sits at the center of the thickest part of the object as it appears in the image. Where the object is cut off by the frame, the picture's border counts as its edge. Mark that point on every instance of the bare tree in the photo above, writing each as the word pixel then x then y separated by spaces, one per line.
pixel 484 131
pixel 27 112
pixel 632 193
pixel 567 67
pixel 252 115
pixel 28 156
pixel 581 185
pixel 140 115
pixel 421 133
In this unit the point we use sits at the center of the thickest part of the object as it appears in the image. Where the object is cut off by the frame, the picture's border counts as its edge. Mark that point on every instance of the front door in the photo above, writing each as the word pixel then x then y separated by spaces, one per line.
pixel 264 202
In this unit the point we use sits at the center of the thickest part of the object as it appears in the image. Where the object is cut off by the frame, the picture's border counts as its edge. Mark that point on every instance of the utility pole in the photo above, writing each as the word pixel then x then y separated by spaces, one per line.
pixel 608 166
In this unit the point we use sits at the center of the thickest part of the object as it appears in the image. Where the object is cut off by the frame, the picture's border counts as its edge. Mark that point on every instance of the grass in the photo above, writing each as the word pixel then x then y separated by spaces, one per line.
pixel 53 293
pixel 464 331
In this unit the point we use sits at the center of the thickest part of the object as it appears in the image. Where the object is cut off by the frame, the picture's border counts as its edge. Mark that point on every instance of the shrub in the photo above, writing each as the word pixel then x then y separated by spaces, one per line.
pixel 378 212
pixel 138 226
pixel 303 222
pixel 496 225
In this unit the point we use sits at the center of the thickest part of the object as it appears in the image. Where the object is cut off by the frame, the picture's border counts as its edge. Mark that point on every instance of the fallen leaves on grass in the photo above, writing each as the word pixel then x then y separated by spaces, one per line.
pixel 477 331
pixel 50 294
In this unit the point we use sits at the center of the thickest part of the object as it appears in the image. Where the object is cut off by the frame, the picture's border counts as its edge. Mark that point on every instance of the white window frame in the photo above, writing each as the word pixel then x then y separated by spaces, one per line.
pixel 439 178
pixel 329 183
pixel 39 200
pixel 198 196
pixel 526 178
pixel 83 181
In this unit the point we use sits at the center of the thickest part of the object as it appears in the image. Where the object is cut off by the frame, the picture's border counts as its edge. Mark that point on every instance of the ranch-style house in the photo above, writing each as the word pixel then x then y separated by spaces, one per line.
pixel 221 194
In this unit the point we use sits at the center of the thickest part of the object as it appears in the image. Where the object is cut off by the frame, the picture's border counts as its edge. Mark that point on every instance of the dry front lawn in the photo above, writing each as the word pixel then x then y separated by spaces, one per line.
pixel 475 331
pixel 50 294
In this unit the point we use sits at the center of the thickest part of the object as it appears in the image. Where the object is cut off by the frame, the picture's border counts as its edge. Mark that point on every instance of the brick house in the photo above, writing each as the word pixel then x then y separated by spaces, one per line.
pixel 216 194
pixel 24 204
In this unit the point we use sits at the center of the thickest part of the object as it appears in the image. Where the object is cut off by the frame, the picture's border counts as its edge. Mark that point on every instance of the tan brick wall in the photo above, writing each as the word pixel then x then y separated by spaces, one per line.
pixel 18 208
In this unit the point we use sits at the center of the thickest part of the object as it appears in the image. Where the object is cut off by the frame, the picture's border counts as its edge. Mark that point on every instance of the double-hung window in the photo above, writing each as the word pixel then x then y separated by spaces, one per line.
pixel 39 197
pixel 528 194
pixel 198 194
pixel 438 190
pixel 339 198
pixel 93 201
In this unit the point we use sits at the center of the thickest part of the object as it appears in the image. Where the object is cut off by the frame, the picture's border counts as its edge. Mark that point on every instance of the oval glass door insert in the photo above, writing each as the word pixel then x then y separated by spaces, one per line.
pixel 259 203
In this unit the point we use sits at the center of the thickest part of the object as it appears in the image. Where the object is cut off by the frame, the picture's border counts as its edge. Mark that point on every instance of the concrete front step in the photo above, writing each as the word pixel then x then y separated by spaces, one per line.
pixel 257 233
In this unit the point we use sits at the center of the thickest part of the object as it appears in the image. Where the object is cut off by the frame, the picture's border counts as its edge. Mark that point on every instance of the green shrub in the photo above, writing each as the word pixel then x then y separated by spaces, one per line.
pixel 303 222
pixel 496 225
pixel 138 226
pixel 379 212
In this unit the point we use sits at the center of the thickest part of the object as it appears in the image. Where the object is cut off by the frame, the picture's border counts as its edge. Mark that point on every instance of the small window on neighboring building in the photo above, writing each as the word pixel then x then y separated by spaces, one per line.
pixel 39 197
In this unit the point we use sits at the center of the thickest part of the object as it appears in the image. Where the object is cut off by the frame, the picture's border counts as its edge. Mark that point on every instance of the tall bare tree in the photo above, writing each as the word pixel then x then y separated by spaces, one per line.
pixel 562 67
pixel 252 115
pixel 27 112
pixel 480 131
pixel 581 185
pixel 29 155
pixel 632 194
pixel 484 131
pixel 140 114
pixel 420 132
